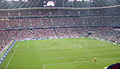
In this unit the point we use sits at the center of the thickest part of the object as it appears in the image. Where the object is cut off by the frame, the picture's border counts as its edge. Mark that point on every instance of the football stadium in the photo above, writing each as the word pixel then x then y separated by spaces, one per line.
pixel 59 34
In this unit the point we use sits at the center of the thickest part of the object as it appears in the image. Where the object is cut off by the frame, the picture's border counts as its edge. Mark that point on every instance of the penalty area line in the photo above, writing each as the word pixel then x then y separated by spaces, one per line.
pixel 43 66
pixel 63 63
pixel 11 58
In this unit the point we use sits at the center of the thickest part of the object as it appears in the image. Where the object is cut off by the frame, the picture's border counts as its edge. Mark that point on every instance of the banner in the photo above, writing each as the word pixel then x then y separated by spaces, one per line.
pixel 24 0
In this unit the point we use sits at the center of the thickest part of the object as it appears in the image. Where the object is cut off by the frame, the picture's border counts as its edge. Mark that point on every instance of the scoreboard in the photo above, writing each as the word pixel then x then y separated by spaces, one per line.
pixel 50 3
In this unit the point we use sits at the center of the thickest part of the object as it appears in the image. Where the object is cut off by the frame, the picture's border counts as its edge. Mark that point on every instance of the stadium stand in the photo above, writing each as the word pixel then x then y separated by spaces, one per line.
pixel 52 23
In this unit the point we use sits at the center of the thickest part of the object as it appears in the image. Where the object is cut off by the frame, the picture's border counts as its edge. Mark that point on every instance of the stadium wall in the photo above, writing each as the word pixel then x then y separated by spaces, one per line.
pixel 6 52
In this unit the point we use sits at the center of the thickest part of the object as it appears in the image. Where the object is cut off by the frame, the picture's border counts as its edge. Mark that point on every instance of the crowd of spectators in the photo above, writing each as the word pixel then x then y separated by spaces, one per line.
pixel 53 27
pixel 61 21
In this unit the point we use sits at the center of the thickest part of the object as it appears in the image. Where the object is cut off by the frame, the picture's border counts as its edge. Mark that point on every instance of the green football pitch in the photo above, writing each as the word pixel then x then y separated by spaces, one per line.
pixel 74 53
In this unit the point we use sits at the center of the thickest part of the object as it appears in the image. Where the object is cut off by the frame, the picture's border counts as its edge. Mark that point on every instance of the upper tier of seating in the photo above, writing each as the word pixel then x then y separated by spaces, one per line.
pixel 64 18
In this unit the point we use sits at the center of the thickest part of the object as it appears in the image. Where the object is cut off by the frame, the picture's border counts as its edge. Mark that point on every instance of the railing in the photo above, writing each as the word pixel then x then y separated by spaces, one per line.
pixel 95 26
pixel 68 8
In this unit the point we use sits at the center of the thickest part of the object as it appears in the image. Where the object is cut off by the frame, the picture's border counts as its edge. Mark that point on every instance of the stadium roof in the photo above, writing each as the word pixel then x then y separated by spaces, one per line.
pixel 8 4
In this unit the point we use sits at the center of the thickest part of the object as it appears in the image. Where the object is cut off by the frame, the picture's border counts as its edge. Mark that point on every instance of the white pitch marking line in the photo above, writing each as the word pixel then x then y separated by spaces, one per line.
pixel 11 58
pixel 43 66
pixel 105 67
pixel 62 63
pixel 80 46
